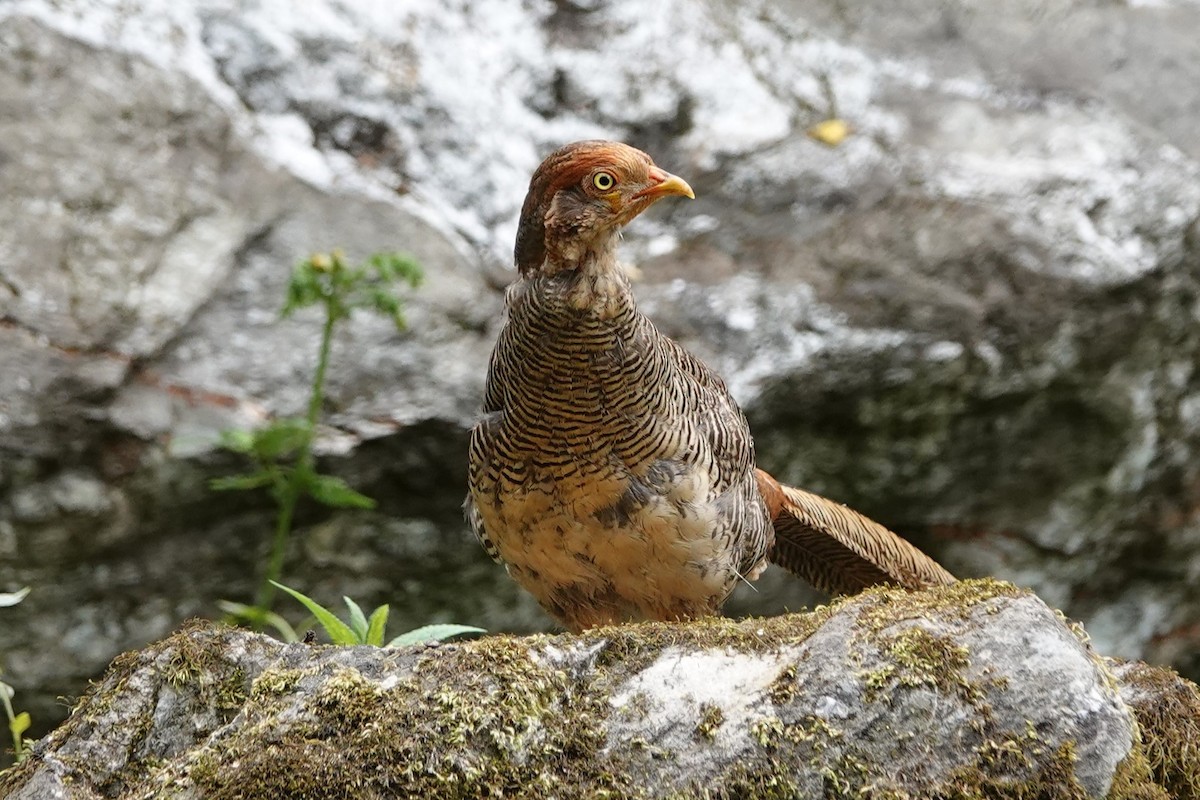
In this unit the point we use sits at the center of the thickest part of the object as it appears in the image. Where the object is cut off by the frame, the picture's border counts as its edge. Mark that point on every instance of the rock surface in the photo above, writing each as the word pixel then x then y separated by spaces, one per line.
pixel 966 691
pixel 975 319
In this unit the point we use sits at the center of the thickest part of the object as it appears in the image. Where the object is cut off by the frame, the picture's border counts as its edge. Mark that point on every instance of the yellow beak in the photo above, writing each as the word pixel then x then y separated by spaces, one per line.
pixel 664 184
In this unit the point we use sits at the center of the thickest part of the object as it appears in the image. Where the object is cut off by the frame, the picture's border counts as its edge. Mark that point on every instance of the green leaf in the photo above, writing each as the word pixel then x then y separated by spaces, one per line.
pixel 246 481
pixel 237 441
pixel 306 288
pixel 376 625
pixel 286 632
pixel 19 724
pixel 394 266
pixel 12 598
pixel 433 633
pixel 339 632
pixel 384 302
pixel 257 617
pixel 238 611
pixel 281 438
pixel 335 492
pixel 358 621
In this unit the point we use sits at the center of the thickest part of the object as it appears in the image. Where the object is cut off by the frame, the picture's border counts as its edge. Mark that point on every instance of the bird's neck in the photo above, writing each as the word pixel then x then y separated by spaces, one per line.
pixel 591 278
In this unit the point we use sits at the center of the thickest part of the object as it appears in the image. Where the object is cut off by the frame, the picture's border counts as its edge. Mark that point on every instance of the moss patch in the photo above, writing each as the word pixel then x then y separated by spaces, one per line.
pixel 16 775
pixel 711 718
pixel 783 689
pixel 890 628
pixel 747 783
pixel 922 658
pixel 1055 780
pixel 278 681
pixel 636 646
pixel 1167 708
pixel 849 778
pixel 448 731
pixel 915 656
pixel 885 607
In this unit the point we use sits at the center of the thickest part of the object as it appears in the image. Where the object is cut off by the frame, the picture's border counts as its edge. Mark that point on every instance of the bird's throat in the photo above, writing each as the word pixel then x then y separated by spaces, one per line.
pixel 605 293
pixel 594 280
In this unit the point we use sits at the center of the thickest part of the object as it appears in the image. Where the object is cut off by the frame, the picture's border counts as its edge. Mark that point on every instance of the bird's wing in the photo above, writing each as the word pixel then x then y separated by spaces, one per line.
pixel 479 479
pixel 716 414
pixel 720 423
pixel 833 547
pixel 483 440
pixel 838 550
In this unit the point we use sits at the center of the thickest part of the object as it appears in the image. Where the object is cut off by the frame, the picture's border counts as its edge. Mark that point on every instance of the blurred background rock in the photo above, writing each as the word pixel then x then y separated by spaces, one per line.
pixel 975 318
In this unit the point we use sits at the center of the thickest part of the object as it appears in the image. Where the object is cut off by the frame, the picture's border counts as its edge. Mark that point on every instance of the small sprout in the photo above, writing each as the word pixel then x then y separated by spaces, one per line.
pixel 18 724
pixel 364 630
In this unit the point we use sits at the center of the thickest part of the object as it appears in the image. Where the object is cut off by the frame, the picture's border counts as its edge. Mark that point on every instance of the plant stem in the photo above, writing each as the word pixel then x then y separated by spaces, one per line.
pixel 304 462
pixel 18 743
pixel 318 385
pixel 283 528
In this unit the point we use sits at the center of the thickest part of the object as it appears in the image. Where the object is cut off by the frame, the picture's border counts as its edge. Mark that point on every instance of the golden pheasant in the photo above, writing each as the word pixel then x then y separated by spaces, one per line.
pixel 611 471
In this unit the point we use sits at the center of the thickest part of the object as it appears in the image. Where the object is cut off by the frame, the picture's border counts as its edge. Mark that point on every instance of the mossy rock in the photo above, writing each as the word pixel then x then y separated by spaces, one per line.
pixel 965 692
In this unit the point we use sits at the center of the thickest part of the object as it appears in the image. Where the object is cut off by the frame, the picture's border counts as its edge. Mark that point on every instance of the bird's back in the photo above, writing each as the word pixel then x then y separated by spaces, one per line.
pixel 611 472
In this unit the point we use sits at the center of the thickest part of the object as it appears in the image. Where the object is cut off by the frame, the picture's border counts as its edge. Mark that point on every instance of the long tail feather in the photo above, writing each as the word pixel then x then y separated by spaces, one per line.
pixel 838 550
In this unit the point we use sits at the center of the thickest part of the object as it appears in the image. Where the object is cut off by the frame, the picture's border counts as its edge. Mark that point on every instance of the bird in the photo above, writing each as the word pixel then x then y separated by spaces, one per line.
pixel 611 471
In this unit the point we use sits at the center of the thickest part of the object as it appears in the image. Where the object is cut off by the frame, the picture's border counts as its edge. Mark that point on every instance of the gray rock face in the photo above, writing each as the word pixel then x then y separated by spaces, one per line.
pixel 966 691
pixel 975 319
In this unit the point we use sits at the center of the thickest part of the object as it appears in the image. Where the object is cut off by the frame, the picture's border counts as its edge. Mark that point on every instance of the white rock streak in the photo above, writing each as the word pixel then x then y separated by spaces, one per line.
pixel 476 91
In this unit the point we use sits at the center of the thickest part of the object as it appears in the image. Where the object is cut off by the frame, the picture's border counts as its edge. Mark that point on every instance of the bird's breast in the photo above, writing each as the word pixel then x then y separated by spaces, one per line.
pixel 581 379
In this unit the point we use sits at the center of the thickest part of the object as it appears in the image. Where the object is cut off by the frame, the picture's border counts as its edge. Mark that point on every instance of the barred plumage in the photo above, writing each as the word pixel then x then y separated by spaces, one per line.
pixel 611 471
pixel 596 475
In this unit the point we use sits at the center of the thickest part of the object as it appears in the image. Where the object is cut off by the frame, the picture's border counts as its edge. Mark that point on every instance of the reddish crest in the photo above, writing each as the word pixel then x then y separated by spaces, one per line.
pixel 579 166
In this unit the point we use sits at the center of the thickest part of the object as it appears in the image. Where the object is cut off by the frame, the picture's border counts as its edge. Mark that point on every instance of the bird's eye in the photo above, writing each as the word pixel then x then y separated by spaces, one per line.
pixel 603 181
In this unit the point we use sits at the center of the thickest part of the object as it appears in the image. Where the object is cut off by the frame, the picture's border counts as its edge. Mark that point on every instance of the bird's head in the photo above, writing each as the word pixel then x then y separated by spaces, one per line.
pixel 580 197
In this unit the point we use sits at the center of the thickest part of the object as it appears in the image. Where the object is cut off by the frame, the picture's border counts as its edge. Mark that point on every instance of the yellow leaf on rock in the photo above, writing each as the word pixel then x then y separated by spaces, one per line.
pixel 830 132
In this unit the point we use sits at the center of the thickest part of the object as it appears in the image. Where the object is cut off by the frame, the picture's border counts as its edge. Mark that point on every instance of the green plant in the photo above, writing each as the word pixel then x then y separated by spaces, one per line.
pixel 283 450
pixel 370 630
pixel 17 723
